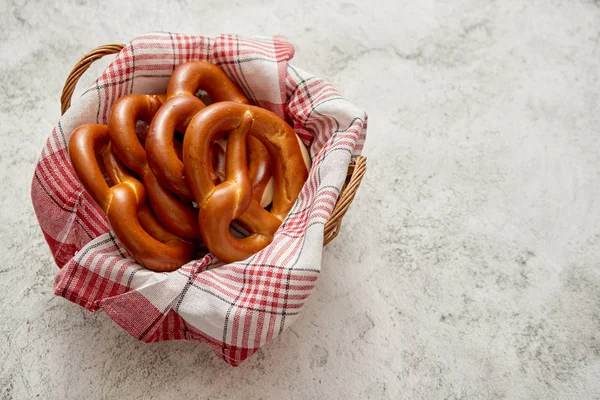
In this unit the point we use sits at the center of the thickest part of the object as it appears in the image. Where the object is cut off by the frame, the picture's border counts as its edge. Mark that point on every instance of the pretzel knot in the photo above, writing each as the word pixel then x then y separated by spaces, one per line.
pixel 232 199
pixel 191 76
pixel 125 202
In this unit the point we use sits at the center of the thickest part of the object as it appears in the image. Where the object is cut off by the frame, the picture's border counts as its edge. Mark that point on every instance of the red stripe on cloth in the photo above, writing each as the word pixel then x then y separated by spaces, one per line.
pixel 70 279
pixel 135 314
pixel 227 291
pixel 171 327
pixel 58 218
pixel 278 49
pixel 255 271
pixel 54 182
pixel 235 326
pixel 96 288
pixel 62 252
pixel 91 216
pixel 260 323
pixel 128 266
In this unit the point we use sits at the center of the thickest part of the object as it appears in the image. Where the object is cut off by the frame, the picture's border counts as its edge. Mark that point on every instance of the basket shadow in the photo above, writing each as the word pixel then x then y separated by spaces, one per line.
pixel 116 362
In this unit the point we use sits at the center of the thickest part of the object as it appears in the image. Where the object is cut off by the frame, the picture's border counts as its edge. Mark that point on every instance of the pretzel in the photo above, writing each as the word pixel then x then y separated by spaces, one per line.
pixel 174 115
pixel 179 218
pixel 124 203
pixel 181 106
pixel 192 76
pixel 167 166
pixel 232 199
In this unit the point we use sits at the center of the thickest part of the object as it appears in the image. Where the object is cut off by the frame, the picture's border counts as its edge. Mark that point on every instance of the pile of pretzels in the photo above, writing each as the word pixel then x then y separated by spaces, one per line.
pixel 172 173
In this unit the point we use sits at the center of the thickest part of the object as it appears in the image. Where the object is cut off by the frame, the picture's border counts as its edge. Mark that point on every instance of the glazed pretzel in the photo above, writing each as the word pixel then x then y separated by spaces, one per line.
pixel 190 77
pixel 124 203
pixel 232 199
pixel 173 116
pixel 176 114
pixel 179 218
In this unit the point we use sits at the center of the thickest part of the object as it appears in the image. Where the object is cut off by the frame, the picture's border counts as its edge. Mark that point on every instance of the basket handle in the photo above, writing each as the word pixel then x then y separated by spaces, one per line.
pixel 356 169
pixel 80 68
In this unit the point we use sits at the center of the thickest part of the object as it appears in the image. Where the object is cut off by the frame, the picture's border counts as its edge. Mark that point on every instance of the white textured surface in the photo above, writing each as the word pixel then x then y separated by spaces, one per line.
pixel 468 265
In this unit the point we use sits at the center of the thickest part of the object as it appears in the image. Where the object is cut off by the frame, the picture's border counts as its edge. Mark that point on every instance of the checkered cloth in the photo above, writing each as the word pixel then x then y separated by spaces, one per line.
pixel 235 308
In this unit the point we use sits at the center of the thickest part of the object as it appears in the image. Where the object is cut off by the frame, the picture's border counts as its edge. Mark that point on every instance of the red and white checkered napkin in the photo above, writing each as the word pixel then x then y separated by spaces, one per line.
pixel 235 308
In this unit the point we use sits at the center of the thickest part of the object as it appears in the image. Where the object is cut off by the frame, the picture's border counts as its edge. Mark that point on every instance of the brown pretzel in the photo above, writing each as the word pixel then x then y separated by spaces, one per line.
pixel 167 166
pixel 192 76
pixel 125 202
pixel 173 116
pixel 181 106
pixel 232 199
pixel 179 218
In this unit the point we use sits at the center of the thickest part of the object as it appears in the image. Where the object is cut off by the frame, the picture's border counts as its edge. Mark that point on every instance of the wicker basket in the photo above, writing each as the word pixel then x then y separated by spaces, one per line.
pixel 356 169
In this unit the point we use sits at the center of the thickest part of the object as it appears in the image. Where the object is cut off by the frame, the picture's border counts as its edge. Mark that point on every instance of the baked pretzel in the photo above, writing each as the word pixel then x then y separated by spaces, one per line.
pixel 179 218
pixel 124 203
pixel 232 199
pixel 167 166
pixel 188 78
pixel 173 116
pixel 182 105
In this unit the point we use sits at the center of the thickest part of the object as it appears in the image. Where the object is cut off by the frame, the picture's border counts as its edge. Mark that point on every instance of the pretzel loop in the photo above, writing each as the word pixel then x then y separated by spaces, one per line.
pixel 192 76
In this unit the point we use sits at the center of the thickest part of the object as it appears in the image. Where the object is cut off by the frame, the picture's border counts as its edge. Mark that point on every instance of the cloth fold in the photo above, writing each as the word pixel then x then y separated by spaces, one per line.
pixel 235 308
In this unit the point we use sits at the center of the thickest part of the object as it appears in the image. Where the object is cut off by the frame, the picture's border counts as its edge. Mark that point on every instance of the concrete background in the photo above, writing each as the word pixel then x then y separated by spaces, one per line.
pixel 468 265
